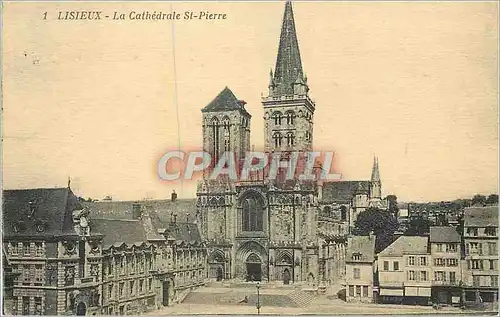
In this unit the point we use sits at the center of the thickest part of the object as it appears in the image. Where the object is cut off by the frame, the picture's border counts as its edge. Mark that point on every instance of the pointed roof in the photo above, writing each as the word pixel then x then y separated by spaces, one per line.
pixel 39 212
pixel 406 245
pixel 364 246
pixel 375 170
pixel 225 101
pixel 288 63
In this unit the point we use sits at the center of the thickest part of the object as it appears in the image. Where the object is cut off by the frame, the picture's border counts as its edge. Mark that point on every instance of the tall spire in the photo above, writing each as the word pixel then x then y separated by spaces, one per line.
pixel 288 64
pixel 375 171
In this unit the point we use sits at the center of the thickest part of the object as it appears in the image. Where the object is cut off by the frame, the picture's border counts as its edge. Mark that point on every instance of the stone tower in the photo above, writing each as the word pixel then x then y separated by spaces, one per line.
pixel 226 126
pixel 376 184
pixel 288 110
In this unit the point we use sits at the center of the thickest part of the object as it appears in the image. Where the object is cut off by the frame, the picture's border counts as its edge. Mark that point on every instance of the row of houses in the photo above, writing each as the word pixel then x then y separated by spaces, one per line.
pixel 444 267
pixel 65 257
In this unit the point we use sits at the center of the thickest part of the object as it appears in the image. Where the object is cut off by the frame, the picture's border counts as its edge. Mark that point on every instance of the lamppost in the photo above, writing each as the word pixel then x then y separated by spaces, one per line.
pixel 258 298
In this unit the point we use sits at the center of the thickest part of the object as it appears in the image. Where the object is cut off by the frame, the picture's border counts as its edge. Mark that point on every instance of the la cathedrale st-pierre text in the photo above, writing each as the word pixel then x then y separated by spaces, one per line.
pixel 136 15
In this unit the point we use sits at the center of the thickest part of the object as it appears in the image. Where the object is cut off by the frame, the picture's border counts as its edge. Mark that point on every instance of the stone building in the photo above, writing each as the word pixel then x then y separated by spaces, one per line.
pixel 481 255
pixel 281 230
pixel 49 246
pixel 360 268
pixel 446 253
pixel 81 258
pixel 404 271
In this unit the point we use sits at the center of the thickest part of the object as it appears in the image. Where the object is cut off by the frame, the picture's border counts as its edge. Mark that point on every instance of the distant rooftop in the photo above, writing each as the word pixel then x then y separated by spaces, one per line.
pixel 481 216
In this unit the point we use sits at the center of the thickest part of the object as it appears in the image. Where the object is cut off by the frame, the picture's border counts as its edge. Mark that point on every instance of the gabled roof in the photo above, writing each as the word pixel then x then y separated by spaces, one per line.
pixel 406 245
pixel 163 208
pixel 344 190
pixel 119 231
pixel 26 209
pixel 226 101
pixel 481 216
pixel 119 214
pixel 444 235
pixel 362 245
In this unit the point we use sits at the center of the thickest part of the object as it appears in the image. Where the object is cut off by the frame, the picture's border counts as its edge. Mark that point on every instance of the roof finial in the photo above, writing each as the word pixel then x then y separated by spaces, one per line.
pixel 69 181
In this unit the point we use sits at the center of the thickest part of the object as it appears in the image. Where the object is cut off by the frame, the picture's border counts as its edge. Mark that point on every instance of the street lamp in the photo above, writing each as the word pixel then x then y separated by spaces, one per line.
pixel 258 299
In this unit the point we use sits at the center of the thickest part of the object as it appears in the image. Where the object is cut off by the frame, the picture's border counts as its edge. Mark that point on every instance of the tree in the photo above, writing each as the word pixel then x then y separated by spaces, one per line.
pixel 418 226
pixel 478 200
pixel 382 223
pixel 392 202
pixel 492 199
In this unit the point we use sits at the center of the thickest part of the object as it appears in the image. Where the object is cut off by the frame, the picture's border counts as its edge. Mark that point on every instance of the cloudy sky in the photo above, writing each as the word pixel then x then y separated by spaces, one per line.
pixel 414 83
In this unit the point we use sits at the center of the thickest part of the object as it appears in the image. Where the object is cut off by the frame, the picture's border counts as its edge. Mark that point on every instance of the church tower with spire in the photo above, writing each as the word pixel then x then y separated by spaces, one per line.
pixel 288 110
pixel 376 184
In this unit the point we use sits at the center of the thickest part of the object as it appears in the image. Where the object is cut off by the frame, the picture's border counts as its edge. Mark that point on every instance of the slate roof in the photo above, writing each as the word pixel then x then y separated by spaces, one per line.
pixel 226 101
pixel 187 232
pixel 406 245
pixel 362 245
pixel 288 63
pixel 118 231
pixel 481 216
pixel 117 217
pixel 164 209
pixel 51 207
pixel 444 235
pixel 344 190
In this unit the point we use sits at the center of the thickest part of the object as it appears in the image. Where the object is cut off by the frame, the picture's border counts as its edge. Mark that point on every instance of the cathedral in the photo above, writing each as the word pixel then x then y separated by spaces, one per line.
pixel 281 231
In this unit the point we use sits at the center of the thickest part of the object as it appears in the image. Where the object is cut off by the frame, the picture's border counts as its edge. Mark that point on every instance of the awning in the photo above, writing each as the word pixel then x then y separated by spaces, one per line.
pixel 418 291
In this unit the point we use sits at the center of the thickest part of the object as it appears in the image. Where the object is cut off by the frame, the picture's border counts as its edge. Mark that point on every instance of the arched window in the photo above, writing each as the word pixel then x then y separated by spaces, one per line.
pixel 215 140
pixel 277 139
pixel 290 117
pixel 290 139
pixel 277 117
pixel 253 210
pixel 343 213
pixel 227 134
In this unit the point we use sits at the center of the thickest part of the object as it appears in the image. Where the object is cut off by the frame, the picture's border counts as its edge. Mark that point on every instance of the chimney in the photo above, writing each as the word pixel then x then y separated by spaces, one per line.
pixel 372 235
pixel 174 219
pixel 173 196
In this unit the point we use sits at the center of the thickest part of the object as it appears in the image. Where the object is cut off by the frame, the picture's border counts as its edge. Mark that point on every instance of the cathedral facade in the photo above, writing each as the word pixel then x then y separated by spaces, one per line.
pixel 285 231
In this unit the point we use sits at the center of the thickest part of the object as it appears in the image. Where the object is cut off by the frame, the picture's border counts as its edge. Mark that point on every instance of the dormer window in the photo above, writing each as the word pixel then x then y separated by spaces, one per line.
pixel 356 256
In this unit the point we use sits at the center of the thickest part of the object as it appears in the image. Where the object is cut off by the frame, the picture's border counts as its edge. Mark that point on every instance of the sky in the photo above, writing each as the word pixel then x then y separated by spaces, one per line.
pixel 97 101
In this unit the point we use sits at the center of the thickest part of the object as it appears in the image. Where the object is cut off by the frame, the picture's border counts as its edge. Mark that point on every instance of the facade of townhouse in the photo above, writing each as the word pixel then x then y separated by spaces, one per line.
pixel 445 246
pixel 66 263
pixel 404 271
pixel 360 260
pixel 481 255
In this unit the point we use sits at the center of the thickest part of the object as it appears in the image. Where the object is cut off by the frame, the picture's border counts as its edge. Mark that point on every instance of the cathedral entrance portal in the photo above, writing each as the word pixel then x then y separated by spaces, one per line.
pixel 81 309
pixel 220 274
pixel 286 277
pixel 254 268
pixel 216 263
